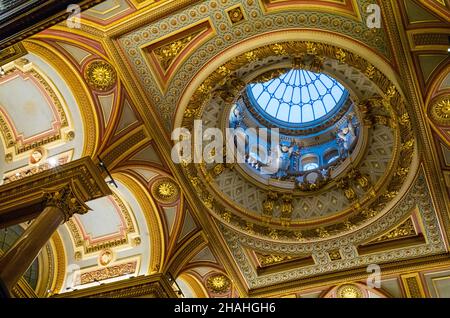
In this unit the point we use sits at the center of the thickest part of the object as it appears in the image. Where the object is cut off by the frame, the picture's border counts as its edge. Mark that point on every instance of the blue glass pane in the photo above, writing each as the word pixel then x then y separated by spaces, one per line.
pixel 298 96
pixel 310 166
pixel 333 159
pixel 296 115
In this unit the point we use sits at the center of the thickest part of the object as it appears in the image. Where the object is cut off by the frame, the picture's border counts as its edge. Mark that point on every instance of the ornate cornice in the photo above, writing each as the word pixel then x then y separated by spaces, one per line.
pixel 36 16
pixel 67 186
pixel 154 286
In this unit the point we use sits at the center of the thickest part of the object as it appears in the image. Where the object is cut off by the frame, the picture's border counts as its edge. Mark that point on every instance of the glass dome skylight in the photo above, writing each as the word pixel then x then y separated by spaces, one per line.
pixel 298 97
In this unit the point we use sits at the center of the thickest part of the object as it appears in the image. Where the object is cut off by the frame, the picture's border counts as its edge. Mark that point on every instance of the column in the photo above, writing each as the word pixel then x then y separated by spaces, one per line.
pixel 60 204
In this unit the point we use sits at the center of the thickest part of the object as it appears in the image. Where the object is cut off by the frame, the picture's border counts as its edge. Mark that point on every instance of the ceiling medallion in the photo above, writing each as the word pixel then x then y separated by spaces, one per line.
pixel 165 190
pixel 440 111
pixel 100 75
pixel 105 257
pixel 37 155
pixel 218 283
pixel 349 291
pixel 236 15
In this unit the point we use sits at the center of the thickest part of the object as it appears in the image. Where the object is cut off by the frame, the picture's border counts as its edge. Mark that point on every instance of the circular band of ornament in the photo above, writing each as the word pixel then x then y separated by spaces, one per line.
pixel 100 75
pixel 356 216
pixel 349 291
pixel 165 190
pixel 440 111
pixel 218 283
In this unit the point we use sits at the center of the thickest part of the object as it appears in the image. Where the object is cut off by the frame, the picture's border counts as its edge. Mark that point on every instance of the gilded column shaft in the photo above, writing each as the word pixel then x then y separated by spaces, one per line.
pixel 61 203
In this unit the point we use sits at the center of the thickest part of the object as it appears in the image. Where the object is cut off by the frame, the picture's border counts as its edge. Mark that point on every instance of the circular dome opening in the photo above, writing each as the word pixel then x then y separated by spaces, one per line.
pixel 316 128
pixel 298 98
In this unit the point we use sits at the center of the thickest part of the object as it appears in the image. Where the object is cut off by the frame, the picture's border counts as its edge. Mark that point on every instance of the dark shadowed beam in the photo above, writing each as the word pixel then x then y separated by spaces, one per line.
pixel 20 19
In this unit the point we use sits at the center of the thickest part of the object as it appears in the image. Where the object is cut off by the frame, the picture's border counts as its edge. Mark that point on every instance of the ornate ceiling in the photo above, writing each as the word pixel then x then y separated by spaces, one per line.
pixel 135 70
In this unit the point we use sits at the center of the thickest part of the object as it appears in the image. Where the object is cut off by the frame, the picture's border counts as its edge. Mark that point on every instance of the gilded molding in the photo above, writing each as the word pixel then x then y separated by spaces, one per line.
pixel 88 247
pixel 417 196
pixel 124 146
pixel 12 53
pixel 108 272
pixel 185 252
pixel 67 186
pixel 227 35
pixel 153 219
pixel 413 286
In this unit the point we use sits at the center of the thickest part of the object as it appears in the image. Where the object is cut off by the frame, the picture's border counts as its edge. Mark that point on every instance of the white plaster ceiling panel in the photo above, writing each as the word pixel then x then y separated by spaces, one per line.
pixel 127 117
pixel 72 110
pixel 41 112
pixel 26 103
pixel 108 228
pixel 103 221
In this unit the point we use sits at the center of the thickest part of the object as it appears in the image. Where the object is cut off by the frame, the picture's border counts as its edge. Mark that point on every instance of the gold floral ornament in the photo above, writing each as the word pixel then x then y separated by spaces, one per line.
pixel 218 284
pixel 165 190
pixel 271 259
pixel 236 15
pixel 440 111
pixel 166 54
pixel 100 75
pixel 349 291
pixel 406 229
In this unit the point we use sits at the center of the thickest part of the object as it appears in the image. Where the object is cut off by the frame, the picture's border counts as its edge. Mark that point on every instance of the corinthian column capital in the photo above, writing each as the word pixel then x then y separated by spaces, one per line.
pixel 67 199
